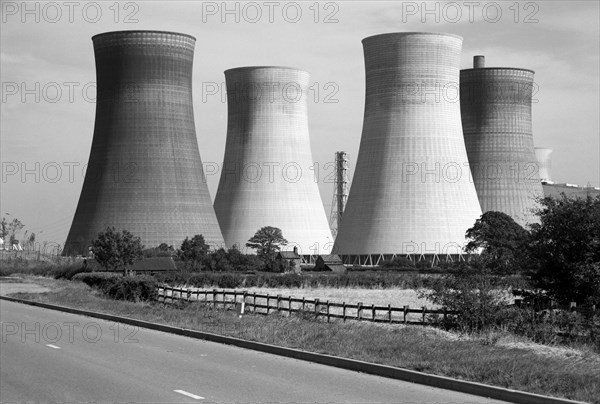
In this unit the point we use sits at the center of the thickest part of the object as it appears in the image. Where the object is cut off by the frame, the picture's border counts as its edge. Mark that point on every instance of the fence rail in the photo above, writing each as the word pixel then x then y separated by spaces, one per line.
pixel 245 301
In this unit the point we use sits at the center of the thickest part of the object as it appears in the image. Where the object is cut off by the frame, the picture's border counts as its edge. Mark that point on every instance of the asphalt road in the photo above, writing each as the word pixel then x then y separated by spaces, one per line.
pixel 54 357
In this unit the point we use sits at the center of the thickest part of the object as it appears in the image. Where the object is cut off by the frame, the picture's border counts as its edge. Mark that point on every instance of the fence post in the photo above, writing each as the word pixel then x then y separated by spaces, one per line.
pixel 327 310
pixel 390 313
pixel 278 300
pixel 189 294
pixel 405 313
pixel 344 311
pixel 373 315
pixel 303 303
pixel 253 302
pixel 214 299
pixel 317 307
pixel 268 303
pixel 290 304
pixel 424 308
pixel 359 310
pixel 234 298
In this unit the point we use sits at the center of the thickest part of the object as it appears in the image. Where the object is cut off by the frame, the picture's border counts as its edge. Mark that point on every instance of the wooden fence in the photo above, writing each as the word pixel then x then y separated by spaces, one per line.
pixel 245 301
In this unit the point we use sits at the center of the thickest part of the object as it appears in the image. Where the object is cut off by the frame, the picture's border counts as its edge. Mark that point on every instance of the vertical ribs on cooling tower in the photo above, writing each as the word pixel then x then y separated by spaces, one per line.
pixel 496 118
pixel 144 173
pixel 412 191
pixel 268 176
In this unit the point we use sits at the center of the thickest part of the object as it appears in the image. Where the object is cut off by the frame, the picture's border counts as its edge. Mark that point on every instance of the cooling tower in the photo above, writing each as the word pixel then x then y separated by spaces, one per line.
pixel 544 163
pixel 268 176
pixel 411 192
pixel 496 118
pixel 144 173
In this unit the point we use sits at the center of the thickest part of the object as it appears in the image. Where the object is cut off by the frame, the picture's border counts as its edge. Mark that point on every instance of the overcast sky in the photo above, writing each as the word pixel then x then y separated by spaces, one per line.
pixel 48 76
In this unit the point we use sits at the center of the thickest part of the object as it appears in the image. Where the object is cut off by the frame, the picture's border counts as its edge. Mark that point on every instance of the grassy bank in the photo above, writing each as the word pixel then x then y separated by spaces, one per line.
pixel 499 359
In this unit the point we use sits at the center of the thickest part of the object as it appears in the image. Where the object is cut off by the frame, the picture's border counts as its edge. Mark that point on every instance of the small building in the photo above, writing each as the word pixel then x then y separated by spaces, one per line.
pixel 149 266
pixel 330 262
pixel 289 261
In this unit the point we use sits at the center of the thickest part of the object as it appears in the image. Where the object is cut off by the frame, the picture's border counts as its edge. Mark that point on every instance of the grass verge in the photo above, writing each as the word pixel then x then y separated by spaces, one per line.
pixel 413 347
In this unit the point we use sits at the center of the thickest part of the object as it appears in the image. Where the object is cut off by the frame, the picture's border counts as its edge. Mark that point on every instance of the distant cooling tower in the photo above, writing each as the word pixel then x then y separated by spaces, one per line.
pixel 144 174
pixel 544 163
pixel 496 119
pixel 411 192
pixel 267 178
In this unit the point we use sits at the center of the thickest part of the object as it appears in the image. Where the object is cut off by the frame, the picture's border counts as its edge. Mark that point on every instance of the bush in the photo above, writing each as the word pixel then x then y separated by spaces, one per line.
pixel 231 260
pixel 474 294
pixel 317 279
pixel 551 326
pixel 95 279
pixel 57 271
pixel 137 288
pixel 399 262
pixel 68 271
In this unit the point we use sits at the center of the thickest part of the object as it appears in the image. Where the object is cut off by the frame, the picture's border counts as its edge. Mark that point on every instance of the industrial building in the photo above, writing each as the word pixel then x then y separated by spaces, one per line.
pixel 412 192
pixel 496 118
pixel 266 178
pixel 144 173
pixel 553 189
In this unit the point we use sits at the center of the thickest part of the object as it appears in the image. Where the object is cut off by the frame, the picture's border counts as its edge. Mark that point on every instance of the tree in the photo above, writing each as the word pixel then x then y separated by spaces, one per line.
pixel 193 251
pixel 501 240
pixel 566 248
pixel 3 228
pixel 12 229
pixel 267 241
pixel 114 250
pixel 163 250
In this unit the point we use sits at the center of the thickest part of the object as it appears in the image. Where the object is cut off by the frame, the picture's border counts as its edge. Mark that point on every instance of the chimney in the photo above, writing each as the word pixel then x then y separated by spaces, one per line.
pixel 478 62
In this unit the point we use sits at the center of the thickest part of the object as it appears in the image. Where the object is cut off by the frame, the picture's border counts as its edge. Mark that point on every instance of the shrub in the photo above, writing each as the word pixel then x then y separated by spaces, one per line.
pixel 95 279
pixel 399 262
pixel 138 288
pixel 474 294
pixel 67 271
pixel 550 326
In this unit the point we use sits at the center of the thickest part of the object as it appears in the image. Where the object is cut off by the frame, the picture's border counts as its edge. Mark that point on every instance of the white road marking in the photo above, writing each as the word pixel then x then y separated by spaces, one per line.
pixel 185 393
pixel 52 346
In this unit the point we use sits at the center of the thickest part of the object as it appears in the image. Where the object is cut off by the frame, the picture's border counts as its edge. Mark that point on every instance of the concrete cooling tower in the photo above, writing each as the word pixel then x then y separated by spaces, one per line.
pixel 266 179
pixel 411 192
pixel 496 118
pixel 144 173
pixel 544 163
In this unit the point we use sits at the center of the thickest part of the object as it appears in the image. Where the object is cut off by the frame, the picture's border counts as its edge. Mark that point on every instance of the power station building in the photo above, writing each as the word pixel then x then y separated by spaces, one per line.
pixel 496 118
pixel 412 192
pixel 267 178
pixel 144 173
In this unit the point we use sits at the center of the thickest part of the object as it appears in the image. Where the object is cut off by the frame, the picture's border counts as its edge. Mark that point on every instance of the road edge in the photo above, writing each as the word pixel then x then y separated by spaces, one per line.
pixel 448 383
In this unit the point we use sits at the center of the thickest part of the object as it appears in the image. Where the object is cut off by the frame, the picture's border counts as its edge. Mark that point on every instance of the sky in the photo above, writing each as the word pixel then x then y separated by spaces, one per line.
pixel 47 73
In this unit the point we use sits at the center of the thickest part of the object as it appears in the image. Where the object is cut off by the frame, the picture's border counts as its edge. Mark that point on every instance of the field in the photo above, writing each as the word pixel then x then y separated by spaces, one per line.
pixel 378 297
